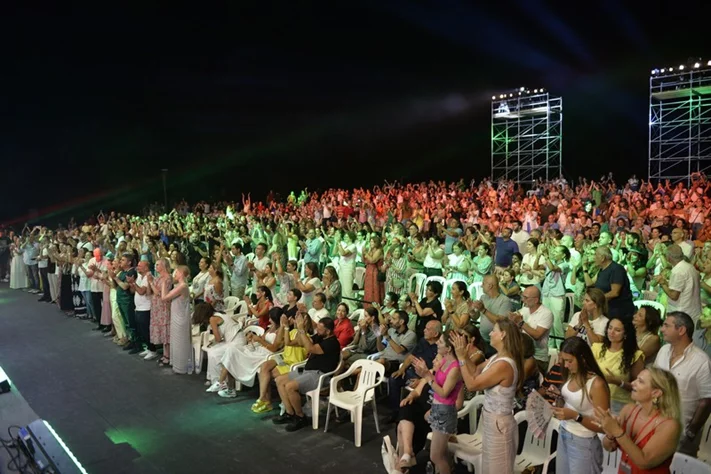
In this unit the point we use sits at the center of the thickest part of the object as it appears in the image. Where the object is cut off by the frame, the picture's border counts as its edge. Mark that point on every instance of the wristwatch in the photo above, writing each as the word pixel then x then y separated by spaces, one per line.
pixel 579 418
pixel 462 362
pixel 689 434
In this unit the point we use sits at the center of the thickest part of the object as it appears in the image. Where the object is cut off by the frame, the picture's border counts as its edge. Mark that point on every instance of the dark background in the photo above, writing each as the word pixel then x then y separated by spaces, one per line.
pixel 282 95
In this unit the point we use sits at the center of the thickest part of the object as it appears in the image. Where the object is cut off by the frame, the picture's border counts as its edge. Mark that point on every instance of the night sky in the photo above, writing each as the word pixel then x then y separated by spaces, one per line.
pixel 282 95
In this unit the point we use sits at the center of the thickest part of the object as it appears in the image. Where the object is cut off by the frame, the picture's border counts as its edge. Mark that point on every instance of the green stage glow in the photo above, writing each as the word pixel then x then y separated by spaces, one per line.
pixel 144 440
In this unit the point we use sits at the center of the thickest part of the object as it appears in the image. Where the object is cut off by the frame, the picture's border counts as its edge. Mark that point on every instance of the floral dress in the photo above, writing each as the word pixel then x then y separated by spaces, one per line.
pixel 160 314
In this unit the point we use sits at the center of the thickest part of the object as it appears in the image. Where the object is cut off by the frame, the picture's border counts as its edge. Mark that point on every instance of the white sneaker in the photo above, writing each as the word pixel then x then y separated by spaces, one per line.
pixel 144 353
pixel 228 393
pixel 216 387
pixel 151 355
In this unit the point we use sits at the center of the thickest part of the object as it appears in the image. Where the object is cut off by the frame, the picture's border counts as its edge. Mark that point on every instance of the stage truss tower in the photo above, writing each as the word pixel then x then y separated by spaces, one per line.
pixel 526 136
pixel 680 121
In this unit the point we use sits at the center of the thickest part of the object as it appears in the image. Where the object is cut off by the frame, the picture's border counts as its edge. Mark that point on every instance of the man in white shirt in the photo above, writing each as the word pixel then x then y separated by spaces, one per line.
pixel 684 286
pixel 535 320
pixel 678 237
pixel 141 289
pixel 520 236
pixel 692 369
pixel 97 268
pixel 318 310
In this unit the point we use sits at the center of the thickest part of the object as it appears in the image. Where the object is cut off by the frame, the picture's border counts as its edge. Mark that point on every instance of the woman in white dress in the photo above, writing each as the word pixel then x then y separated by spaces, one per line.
pixel 225 330
pixel 241 363
pixel 346 270
pixel 197 289
pixel 181 348
pixel 18 271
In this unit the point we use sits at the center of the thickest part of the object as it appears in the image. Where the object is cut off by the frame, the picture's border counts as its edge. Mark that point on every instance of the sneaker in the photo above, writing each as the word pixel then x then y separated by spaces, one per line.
pixel 135 350
pixel 216 387
pixel 283 419
pixel 264 407
pixel 298 423
pixel 228 393
pixel 151 355
pixel 144 352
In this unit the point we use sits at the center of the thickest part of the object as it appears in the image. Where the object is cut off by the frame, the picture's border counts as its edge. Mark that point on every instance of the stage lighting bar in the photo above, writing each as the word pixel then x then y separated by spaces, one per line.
pixel 697 64
pixel 520 92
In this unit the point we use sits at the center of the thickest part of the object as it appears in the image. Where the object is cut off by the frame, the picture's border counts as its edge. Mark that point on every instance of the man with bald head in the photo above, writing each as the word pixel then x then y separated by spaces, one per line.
pixel 684 286
pixel 535 320
pixel 491 307
pixel 612 279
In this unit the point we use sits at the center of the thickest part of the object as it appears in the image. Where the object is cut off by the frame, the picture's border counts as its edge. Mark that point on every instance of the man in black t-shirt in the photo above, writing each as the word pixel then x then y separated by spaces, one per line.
pixel 324 356
pixel 613 280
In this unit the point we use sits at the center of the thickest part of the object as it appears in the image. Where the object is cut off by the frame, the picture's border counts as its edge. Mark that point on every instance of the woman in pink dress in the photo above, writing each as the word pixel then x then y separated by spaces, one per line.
pixel 373 258
pixel 160 310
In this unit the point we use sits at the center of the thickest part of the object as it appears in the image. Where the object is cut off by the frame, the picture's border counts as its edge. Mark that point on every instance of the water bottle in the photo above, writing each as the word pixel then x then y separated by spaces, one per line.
pixel 430 468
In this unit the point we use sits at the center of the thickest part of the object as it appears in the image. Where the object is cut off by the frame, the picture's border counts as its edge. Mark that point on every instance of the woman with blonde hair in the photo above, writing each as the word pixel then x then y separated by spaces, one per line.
pixel 500 378
pixel 590 322
pixel 651 426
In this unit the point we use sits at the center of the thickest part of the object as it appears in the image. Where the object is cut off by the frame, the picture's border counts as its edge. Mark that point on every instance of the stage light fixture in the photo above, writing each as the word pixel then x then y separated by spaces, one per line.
pixel 681 68
pixel 671 69
pixel 522 89
pixel 663 70
pixel 708 63
pixel 535 91
pixel 696 65
pixel 493 97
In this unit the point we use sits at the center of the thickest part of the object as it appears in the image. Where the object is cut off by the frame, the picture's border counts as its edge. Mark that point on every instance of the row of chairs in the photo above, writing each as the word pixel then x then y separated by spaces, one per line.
pixel 539 451
pixel 418 284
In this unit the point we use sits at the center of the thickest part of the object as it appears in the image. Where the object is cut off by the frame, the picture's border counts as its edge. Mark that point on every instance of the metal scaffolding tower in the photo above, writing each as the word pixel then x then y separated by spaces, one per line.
pixel 526 136
pixel 680 121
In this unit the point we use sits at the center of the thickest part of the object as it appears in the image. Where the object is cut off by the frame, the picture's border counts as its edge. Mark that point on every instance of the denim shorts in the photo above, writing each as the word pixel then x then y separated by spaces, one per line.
pixel 443 418
pixel 307 380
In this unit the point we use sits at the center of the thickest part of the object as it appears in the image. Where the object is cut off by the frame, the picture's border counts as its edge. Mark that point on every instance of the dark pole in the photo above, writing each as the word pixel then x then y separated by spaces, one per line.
pixel 165 189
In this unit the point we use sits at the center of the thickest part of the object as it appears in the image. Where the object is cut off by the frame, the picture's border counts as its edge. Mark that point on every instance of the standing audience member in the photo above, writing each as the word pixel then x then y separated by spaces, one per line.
pixel 535 320
pixel 612 279
pixel 683 288
pixel 692 369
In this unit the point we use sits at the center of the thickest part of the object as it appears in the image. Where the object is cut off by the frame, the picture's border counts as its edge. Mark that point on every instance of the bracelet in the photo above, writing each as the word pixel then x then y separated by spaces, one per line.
pixel 622 384
pixel 620 435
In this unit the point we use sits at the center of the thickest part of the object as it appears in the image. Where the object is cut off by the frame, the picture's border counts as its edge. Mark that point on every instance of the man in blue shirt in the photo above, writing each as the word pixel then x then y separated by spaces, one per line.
pixel 505 248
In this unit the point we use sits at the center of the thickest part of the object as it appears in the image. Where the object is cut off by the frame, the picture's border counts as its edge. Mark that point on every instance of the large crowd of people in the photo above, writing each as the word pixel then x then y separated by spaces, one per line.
pixel 455 288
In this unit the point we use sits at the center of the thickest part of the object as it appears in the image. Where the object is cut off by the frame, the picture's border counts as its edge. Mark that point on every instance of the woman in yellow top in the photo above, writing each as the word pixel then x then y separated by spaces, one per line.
pixel 620 359
pixel 293 354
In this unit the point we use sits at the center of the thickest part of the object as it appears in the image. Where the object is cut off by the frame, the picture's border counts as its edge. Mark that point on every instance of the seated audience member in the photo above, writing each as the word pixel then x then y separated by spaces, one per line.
pixel 648 430
pixel 342 326
pixel 224 329
pixel 240 363
pixel 318 309
pixel 590 322
pixel 692 369
pixel 647 322
pixel 324 357
pixel 426 349
pixel 365 339
pixel 428 308
pixel 261 309
pixel 275 366
pixel 620 360
pixel 456 309
pixel 535 320
pixel 400 342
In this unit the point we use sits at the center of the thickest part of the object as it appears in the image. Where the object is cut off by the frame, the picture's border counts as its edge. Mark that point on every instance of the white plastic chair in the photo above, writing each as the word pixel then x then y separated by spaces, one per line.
pixel 610 460
pixel 552 358
pixel 357 315
pixel 654 304
pixel 257 330
pixel 570 306
pixel 418 279
pixel 371 375
pixel 476 290
pixel 650 295
pixel 683 464
pixel 231 303
pixel 315 395
pixel 536 451
pixel 469 443
pixel 359 277
pixel 704 453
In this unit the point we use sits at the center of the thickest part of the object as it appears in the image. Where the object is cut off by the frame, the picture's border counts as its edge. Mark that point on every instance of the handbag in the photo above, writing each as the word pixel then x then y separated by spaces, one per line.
pixel 381 276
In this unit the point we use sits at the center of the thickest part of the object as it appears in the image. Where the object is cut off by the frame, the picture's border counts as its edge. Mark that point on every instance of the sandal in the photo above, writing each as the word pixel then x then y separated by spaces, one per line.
pixel 164 362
